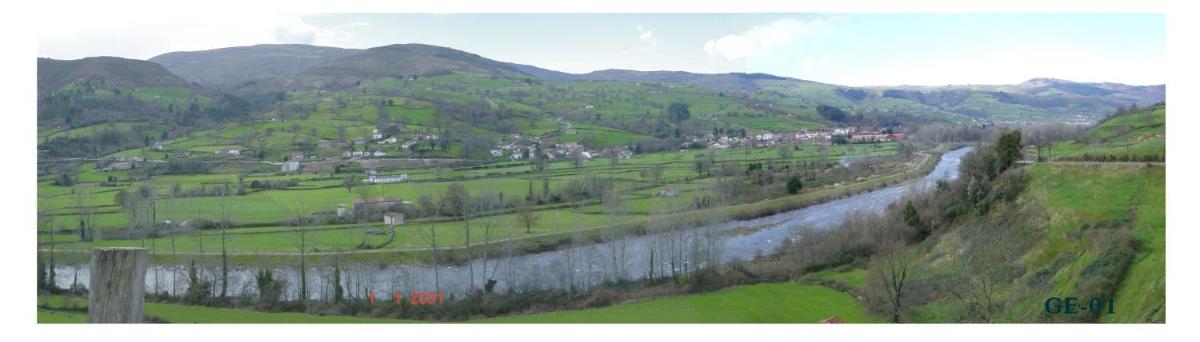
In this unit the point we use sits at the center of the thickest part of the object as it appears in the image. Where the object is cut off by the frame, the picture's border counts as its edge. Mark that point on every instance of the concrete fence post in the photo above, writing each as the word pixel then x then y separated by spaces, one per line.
pixel 116 292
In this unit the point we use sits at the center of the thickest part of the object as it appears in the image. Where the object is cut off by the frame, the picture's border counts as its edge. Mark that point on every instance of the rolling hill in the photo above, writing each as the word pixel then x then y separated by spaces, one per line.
pixel 307 67
pixel 238 65
pixel 396 61
pixel 54 74
pixel 726 81
pixel 467 89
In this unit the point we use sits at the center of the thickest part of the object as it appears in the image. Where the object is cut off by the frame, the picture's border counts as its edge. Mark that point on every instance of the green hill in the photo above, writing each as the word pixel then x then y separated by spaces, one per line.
pixel 54 74
pixel 397 61
pixel 1139 135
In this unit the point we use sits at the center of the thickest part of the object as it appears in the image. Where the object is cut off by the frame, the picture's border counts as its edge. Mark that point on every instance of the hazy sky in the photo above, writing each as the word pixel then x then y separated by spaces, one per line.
pixel 850 49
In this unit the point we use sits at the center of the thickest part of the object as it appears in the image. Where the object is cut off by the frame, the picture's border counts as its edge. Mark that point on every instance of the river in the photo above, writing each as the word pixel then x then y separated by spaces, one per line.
pixel 579 266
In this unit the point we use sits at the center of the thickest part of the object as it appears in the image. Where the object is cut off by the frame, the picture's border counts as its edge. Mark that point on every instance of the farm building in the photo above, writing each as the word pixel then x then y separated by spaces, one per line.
pixel 289 167
pixel 668 192
pixel 373 177
pixel 393 219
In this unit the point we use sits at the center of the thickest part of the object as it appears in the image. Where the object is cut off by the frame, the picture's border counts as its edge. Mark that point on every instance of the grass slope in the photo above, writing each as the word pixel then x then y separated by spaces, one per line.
pixel 762 303
pixel 1135 134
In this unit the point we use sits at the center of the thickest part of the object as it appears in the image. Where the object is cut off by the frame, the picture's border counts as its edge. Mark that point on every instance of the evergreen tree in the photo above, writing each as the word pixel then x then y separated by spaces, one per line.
pixel 794 185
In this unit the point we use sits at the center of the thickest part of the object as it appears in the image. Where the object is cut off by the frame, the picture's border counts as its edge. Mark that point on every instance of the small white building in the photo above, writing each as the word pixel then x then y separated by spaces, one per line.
pixel 230 151
pixel 289 167
pixel 341 210
pixel 373 177
pixel 668 192
pixel 375 134
pixel 393 219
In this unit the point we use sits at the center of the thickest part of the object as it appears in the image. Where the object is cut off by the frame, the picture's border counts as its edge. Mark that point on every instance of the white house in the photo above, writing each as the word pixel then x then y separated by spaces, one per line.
pixel 230 151
pixel 375 134
pixel 290 166
pixel 373 177
pixel 393 219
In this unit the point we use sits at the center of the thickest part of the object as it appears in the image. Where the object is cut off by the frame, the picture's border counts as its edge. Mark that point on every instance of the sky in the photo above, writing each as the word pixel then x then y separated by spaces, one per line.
pixel 846 49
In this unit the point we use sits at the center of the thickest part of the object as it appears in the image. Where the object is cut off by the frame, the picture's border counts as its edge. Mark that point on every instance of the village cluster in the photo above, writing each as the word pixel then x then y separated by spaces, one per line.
pixel 515 147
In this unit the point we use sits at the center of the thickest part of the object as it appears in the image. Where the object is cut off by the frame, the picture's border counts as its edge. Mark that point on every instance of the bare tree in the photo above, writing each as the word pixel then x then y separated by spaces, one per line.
pixel 785 152
pixel 527 216
pixel 614 157
pixel 457 202
pixel 302 241
pixel 486 204
pixel 892 270
pixel 576 157
pixel 87 215
pixel 430 236
pixel 656 171
pixel 223 206
pixel 46 220
pixel 349 182
pixel 614 207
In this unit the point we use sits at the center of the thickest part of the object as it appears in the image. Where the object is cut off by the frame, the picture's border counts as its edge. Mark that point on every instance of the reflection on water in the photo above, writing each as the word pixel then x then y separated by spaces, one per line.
pixel 580 267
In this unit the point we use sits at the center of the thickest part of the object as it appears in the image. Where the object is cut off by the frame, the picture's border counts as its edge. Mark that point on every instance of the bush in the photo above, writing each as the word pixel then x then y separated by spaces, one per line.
pixel 1102 277
pixel 794 185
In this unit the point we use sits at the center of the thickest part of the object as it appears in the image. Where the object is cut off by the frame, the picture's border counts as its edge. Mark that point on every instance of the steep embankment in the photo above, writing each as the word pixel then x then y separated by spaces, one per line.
pixel 1091 229
pixel 1085 231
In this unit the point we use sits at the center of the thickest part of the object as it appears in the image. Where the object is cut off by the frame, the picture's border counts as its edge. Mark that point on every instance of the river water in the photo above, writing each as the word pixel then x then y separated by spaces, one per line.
pixel 581 266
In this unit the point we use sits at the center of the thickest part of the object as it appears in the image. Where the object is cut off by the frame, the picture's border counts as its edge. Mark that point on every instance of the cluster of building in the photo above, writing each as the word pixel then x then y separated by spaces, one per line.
pixel 379 138
pixel 852 135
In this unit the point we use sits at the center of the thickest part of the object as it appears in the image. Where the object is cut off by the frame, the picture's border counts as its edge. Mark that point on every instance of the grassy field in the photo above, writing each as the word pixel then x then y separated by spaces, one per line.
pixel 174 313
pixel 317 193
pixel 1080 195
pixel 554 226
pixel 761 303
pixel 854 277
pixel 1134 134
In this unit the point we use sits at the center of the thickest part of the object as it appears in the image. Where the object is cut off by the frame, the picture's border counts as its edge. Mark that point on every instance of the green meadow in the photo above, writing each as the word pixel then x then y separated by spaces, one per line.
pixel 760 303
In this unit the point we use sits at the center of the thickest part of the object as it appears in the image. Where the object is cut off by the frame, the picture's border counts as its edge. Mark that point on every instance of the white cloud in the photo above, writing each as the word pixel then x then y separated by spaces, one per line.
pixel 757 40
pixel 647 36
pixel 648 42
pixel 295 33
